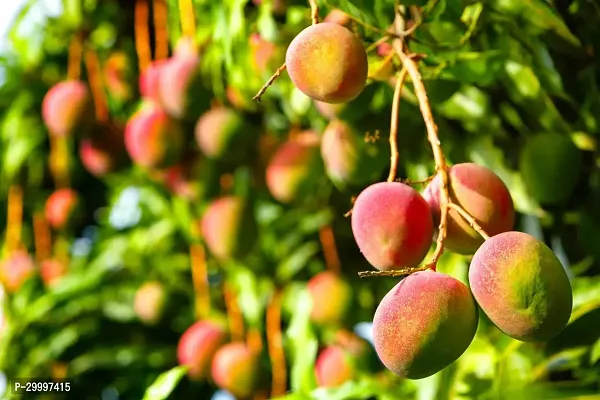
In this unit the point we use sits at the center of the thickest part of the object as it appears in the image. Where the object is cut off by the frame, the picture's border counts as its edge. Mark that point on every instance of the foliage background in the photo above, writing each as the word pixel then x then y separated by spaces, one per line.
pixel 497 72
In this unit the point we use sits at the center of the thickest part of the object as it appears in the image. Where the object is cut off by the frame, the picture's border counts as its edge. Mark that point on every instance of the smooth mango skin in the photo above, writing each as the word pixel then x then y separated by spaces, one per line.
pixel 66 106
pixel 334 366
pixel 550 165
pixel 228 227
pixel 424 324
pixel 392 225
pixel 327 62
pixel 149 302
pixel 292 168
pixel 331 296
pixel 235 369
pixel 198 345
pixel 222 133
pixel 521 286
pixel 483 195
pixel 62 208
pixel 349 159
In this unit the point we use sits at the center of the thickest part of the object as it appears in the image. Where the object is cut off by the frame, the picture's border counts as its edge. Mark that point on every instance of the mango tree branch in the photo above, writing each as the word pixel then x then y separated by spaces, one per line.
pixel 467 217
pixel 264 88
pixel 394 125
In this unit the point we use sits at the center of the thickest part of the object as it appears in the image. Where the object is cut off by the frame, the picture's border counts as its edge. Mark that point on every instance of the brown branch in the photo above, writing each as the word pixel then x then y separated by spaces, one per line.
pixel 161 35
pixel 393 273
pixel 432 137
pixel 95 78
pixel 200 280
pixel 332 258
pixel 234 315
pixel 314 12
pixel 187 18
pixel 394 125
pixel 59 161
pixel 376 44
pixel 469 218
pixel 142 34
pixel 14 217
pixel 275 346
pixel 264 88
pixel 74 62
pixel 42 237
pixel 254 340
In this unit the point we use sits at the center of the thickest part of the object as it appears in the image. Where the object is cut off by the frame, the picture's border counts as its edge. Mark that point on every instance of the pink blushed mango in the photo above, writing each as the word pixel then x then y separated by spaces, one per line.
pixel 424 324
pixel 331 296
pixel 392 225
pixel 521 286
pixel 62 208
pixel 235 369
pixel 198 345
pixel 327 62
pixel 15 270
pixel 483 195
pixel 66 106
pixel 149 302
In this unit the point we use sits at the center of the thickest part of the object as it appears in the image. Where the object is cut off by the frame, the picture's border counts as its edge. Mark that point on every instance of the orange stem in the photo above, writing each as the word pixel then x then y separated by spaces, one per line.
pixel 200 279
pixel 254 340
pixel 330 249
pixel 14 217
pixel 236 320
pixel 142 34
pixel 74 63
pixel 275 343
pixel 187 18
pixel 161 36
pixel 42 237
pixel 59 161
pixel 95 77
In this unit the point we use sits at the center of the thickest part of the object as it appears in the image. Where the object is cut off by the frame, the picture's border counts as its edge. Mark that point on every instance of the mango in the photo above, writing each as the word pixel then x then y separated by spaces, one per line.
pixel 149 302
pixel 52 271
pixel 150 80
pixel 103 151
pixel 235 369
pixel 349 159
pixel 328 63
pixel 181 90
pixel 63 208
pixel 198 345
pixel 483 195
pixel 337 16
pixel 222 133
pixel 392 225
pixel 152 138
pixel 551 167
pixel 292 168
pixel 331 297
pixel 67 107
pixel 333 367
pixel 229 228
pixel 521 286
pixel 15 270
pixel 424 324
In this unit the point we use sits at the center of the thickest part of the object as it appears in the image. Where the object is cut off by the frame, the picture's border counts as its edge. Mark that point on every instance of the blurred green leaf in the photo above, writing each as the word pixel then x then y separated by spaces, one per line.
pixel 166 382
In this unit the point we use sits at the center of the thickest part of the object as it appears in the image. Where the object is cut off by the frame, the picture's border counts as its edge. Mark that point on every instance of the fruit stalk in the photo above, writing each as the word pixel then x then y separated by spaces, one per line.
pixel 236 321
pixel 92 65
pixel 142 35
pixel 394 125
pixel 467 217
pixel 432 136
pixel 42 237
pixel 59 161
pixel 314 11
pixel 199 276
pixel 186 15
pixel 161 36
pixel 14 217
pixel 275 346
pixel 332 259
pixel 74 63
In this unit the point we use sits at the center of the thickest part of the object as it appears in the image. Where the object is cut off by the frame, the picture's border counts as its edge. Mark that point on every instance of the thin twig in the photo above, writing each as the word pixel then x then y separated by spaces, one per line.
pixel 432 137
pixel 314 11
pixel 469 218
pixel 269 83
pixel 42 237
pixel 74 63
pixel 275 346
pixel 332 258
pixel 142 36
pixel 394 125
pixel 393 273
pixel 14 217
pixel 187 18
pixel 96 84
pixel 234 315
pixel 376 44
pixel 161 34
pixel 200 280
pixel 410 182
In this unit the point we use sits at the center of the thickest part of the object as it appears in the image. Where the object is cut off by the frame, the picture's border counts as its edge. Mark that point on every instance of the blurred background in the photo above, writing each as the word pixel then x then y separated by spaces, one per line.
pixel 154 215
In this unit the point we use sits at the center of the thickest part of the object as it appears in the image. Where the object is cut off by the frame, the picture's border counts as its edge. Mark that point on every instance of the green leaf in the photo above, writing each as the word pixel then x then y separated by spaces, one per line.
pixel 166 382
